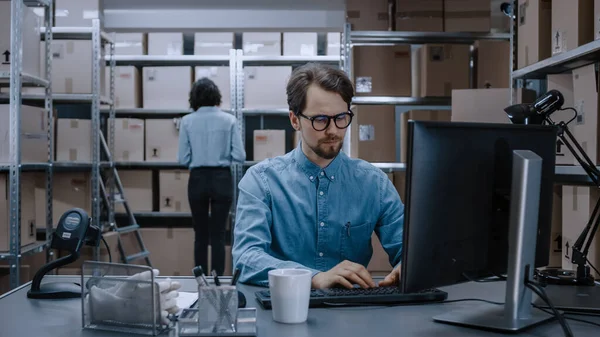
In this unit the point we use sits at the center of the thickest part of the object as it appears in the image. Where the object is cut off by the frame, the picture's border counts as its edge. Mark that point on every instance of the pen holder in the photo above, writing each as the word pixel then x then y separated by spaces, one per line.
pixel 217 308
pixel 121 297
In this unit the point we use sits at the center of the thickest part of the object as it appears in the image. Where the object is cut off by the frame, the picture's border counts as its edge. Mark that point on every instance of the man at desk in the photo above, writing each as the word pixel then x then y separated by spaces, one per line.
pixel 316 208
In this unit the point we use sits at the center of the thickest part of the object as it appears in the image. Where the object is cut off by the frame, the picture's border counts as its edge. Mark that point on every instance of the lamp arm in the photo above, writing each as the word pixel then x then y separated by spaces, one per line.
pixel 580 248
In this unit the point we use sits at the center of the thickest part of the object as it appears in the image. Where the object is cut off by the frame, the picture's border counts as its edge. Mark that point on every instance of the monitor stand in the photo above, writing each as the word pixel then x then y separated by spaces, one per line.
pixel 517 313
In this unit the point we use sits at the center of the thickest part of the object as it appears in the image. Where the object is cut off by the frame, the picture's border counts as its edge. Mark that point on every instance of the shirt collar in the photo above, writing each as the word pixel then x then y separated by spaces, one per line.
pixel 313 171
pixel 208 109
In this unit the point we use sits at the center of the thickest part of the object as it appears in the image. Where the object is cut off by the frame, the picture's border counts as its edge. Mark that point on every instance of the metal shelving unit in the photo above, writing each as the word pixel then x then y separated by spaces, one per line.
pixel 15 80
pixel 403 104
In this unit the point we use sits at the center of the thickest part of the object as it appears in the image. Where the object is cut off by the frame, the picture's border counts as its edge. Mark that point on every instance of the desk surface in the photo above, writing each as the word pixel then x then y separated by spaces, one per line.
pixel 21 316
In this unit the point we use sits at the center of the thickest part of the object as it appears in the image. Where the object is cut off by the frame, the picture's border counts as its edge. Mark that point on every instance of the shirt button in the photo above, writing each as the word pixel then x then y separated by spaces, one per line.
pixel 332 177
pixel 322 173
pixel 321 193
pixel 321 254
pixel 322 224
pixel 311 178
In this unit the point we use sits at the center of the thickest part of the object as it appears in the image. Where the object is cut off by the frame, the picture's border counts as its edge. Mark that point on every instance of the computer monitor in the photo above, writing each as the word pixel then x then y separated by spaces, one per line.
pixel 458 199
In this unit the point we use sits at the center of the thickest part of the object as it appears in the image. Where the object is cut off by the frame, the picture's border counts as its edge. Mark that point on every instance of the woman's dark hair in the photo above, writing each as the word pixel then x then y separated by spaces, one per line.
pixel 204 93
pixel 328 78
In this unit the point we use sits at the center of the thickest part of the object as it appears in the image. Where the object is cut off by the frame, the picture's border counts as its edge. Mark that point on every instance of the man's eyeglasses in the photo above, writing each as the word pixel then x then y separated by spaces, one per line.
pixel 321 122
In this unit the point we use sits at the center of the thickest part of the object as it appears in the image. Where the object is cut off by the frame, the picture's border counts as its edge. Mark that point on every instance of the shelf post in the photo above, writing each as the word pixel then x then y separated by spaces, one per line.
pixel 96 61
pixel 49 23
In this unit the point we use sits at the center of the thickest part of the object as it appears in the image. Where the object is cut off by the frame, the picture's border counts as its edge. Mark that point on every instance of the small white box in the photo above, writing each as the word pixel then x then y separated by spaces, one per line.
pixel 162 140
pixel 167 87
pixel 34 135
pixel 129 44
pixel 78 13
pixel 213 43
pixel 265 87
pixel 333 43
pixel 165 44
pixel 221 77
pixel 72 68
pixel 268 144
pixel 299 44
pixel 262 43
pixel 73 140
pixel 127 87
pixel 129 140
pixel 31 40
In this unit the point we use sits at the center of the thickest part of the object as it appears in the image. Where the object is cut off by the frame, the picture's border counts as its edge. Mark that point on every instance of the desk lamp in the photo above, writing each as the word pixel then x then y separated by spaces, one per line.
pixel 540 112
pixel 74 229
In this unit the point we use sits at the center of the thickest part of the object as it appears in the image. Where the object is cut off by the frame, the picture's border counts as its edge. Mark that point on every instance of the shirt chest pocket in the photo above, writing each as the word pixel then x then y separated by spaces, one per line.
pixel 356 242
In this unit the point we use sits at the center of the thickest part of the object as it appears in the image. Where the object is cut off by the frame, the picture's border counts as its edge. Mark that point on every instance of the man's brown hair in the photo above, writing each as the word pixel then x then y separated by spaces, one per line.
pixel 328 78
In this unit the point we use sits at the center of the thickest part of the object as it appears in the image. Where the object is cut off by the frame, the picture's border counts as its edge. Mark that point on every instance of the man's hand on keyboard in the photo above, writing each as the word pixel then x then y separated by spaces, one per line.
pixel 346 274
pixel 392 278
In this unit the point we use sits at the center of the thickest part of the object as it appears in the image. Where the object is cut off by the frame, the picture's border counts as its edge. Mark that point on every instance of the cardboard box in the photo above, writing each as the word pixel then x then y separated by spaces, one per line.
pixel 556 246
pixel 34 134
pixel 129 44
pixel 299 44
pixel 596 19
pixel 485 105
pixel 420 16
pixel 129 140
pixel 334 43
pixel 167 87
pixel 73 140
pixel 492 64
pixel 162 140
pixel 382 70
pixel 69 79
pixel 173 191
pixel 256 43
pixel 564 84
pixel 137 186
pixel 572 24
pixel 213 43
pixel 533 42
pixel 418 115
pixel 28 233
pixel 268 144
pixel 170 262
pixel 222 78
pixel 444 67
pixel 78 13
pixel 374 133
pixel 261 80
pixel 368 15
pixel 30 35
pixel 578 203
pixel 70 190
pixel 585 95
pixel 467 16
pixel 128 83
pixel 165 44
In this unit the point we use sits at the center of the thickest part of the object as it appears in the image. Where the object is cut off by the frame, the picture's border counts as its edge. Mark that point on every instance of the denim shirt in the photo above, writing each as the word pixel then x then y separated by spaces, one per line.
pixel 210 137
pixel 293 214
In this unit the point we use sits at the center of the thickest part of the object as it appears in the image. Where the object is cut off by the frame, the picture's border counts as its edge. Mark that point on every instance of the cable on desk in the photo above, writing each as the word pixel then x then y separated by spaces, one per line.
pixel 569 318
pixel 542 294
pixel 107 249
pixel 591 265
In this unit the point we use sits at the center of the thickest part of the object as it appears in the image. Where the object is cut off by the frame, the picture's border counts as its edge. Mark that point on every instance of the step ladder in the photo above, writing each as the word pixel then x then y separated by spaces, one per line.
pixel 132 228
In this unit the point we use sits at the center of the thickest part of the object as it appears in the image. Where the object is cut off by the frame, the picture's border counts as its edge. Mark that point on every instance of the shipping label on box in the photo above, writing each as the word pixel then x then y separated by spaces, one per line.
pixel 30 34
pixel 173 191
pixel 162 140
pixel 268 144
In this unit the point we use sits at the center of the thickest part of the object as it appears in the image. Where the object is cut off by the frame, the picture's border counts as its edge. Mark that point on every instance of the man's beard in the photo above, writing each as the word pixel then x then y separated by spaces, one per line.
pixel 328 151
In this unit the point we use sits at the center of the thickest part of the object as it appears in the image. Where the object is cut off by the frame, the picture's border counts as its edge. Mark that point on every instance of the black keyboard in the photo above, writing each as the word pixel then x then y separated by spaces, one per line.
pixel 359 296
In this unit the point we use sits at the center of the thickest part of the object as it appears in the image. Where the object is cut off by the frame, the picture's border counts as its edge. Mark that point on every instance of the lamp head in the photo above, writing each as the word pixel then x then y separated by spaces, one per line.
pixel 536 112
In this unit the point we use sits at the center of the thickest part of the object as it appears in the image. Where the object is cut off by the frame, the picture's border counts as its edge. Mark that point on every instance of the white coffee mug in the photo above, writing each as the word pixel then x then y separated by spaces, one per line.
pixel 290 294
